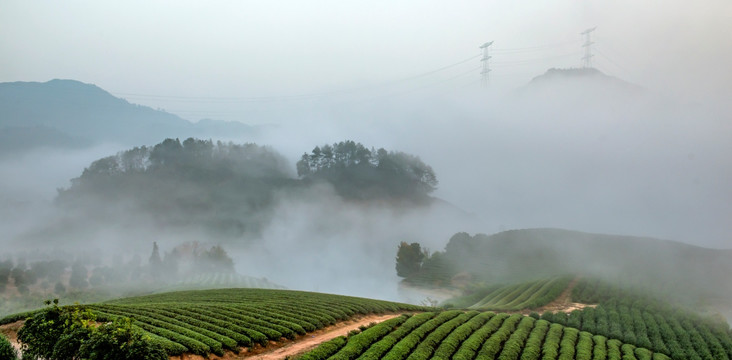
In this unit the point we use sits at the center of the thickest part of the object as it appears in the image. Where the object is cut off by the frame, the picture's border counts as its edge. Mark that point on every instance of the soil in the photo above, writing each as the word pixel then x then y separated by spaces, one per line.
pixel 563 303
pixel 284 348
pixel 11 332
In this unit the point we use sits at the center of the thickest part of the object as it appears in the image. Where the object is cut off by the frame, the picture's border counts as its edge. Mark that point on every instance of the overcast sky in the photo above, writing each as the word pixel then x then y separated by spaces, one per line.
pixel 656 171
pixel 177 55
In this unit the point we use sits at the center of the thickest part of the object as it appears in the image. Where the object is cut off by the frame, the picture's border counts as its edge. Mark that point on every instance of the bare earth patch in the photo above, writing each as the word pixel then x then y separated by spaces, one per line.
pixel 563 303
pixel 281 349
pixel 11 332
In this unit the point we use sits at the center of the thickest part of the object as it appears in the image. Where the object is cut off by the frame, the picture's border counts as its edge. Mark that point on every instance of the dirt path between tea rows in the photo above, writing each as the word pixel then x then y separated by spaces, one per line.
pixel 312 340
pixel 563 302
pixel 281 349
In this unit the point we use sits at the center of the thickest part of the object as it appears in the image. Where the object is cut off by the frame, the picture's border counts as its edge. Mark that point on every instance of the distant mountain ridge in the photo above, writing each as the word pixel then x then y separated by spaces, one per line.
pixel 582 74
pixel 578 85
pixel 84 114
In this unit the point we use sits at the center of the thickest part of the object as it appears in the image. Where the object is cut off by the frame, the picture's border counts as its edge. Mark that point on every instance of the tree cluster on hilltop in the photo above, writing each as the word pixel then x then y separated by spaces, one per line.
pixel 230 189
pixel 360 173
pixel 223 187
pixel 190 159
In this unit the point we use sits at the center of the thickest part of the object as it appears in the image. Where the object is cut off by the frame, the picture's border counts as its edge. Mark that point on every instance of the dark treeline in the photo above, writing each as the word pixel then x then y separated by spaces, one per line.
pixel 360 173
pixel 24 283
pixel 223 187
pixel 231 189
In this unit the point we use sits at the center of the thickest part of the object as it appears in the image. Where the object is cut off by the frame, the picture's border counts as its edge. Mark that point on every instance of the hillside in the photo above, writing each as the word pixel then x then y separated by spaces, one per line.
pixel 659 266
pixel 69 113
pixel 614 324
pixel 587 76
pixel 218 321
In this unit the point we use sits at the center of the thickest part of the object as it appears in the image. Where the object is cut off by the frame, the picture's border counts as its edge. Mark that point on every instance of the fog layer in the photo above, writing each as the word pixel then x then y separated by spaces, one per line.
pixel 589 155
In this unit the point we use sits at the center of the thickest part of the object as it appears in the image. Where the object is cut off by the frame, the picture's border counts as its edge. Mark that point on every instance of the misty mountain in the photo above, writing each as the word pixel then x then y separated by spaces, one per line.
pixel 69 113
pixel 582 76
pixel 586 92
pixel 671 267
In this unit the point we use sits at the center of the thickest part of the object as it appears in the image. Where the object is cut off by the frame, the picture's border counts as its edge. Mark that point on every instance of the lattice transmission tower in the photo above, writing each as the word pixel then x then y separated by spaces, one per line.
pixel 587 45
pixel 486 67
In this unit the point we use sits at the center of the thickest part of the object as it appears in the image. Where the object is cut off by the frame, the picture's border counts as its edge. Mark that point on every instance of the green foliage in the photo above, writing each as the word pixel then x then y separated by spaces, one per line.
pixel 638 319
pixel 472 335
pixel 230 189
pixel 119 340
pixel 69 332
pixel 358 343
pixel 513 297
pixel 212 321
pixel 409 259
pixel 184 183
pixel 7 351
pixel 451 343
pixel 378 349
pixel 532 350
pixel 514 345
pixel 360 173
pixel 326 349
pixel 56 332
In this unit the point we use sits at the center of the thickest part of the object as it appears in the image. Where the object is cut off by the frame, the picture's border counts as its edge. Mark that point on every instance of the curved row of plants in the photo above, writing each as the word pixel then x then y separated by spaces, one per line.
pixel 527 295
pixel 457 334
pixel 214 321
pixel 646 322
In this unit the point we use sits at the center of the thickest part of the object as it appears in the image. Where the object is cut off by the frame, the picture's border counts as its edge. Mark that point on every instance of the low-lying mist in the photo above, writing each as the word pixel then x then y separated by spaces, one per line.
pixel 589 157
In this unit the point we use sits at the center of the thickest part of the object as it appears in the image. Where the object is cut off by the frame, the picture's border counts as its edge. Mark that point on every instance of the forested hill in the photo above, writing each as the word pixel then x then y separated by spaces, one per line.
pixel 357 172
pixel 232 188
pixel 665 267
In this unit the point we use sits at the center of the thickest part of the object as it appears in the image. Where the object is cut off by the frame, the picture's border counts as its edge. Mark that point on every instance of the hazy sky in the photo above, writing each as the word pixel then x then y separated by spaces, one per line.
pixel 650 171
pixel 245 53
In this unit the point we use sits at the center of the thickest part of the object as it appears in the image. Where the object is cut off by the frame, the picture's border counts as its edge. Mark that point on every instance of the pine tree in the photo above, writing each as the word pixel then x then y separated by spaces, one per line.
pixel 156 264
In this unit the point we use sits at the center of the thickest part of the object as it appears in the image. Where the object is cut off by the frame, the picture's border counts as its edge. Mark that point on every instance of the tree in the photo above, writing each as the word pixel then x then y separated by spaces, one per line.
pixel 156 263
pixel 70 332
pixel 119 340
pixel 409 259
pixel 55 333
pixel 7 351
pixel 357 172
pixel 215 260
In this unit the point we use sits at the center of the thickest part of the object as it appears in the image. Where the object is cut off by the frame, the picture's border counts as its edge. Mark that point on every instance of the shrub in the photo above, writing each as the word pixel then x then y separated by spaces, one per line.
pixel 61 333
pixel 120 341
pixel 7 351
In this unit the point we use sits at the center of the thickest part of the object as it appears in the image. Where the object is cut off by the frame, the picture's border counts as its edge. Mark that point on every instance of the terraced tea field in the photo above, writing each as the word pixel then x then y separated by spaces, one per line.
pixel 213 321
pixel 529 295
pixel 476 335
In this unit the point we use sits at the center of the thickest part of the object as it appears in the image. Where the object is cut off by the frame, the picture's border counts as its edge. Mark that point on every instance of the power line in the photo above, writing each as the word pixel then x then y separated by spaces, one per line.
pixel 460 75
pixel 530 61
pixel 533 48
pixel 218 99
